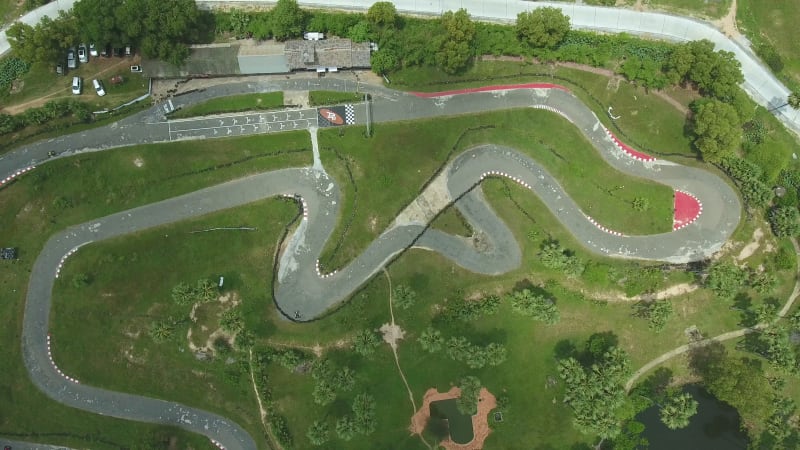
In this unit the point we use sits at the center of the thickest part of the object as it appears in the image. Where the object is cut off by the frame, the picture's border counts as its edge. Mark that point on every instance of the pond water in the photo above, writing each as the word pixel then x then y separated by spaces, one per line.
pixel 459 425
pixel 714 427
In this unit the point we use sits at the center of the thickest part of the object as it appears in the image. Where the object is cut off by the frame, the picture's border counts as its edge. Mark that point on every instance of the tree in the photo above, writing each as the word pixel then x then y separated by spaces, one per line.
pixel 554 256
pixel 47 42
pixel 403 296
pixel 287 20
pixel 677 410
pixel 455 50
pixel 359 32
pixel 495 354
pixel 182 294
pixel 526 303
pixel 324 393
pixel 382 14
pixel 205 290
pixel 365 342
pixel 725 279
pixel 794 100
pixel 431 340
pixel 631 437
pixel 318 433
pixel 345 428
pixel 161 331
pixel 99 23
pixel 717 129
pixel 640 204
pixel 715 73
pixel 346 379
pixel 384 61
pixel 232 320
pixel 543 27
pixel 656 312
pixel 785 221
pixel 596 394
pixel 364 412
pixel 467 402
pixel 160 29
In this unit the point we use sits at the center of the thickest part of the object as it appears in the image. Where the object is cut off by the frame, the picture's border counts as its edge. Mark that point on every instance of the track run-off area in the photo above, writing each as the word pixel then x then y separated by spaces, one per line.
pixel 707 212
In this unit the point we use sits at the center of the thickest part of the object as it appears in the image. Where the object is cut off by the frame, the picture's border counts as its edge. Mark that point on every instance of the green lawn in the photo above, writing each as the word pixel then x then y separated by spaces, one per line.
pixel 9 10
pixel 112 315
pixel 388 179
pixel 704 8
pixel 648 122
pixel 68 191
pixel 774 23
pixel 41 84
pixel 318 98
pixel 233 103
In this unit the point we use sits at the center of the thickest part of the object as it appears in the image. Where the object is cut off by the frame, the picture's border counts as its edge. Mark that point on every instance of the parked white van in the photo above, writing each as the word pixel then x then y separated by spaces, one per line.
pixel 76 85
pixel 313 36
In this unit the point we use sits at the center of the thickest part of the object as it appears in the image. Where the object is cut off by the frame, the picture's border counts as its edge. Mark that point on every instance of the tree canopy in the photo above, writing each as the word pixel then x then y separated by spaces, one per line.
pixel 543 27
pixel 286 20
pixel 717 129
pixel 47 42
pixel 455 50
pixel 382 14
pixel 677 410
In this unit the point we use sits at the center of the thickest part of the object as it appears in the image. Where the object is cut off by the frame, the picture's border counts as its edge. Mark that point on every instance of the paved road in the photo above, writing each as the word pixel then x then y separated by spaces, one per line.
pixel 760 83
pixel 301 292
pixel 23 445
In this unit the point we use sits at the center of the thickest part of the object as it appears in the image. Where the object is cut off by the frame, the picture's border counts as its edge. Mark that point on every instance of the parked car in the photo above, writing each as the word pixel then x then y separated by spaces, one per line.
pixel 128 50
pixel 136 69
pixel 76 85
pixel 83 57
pixel 98 87
pixel 60 69
pixel 92 50
pixel 71 61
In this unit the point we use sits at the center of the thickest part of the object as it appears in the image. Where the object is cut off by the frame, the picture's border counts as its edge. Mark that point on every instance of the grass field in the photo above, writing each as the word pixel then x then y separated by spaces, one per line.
pixel 774 22
pixel 112 315
pixel 705 8
pixel 318 98
pixel 9 10
pixel 647 122
pixel 234 103
pixel 65 192
pixel 41 84
pixel 386 178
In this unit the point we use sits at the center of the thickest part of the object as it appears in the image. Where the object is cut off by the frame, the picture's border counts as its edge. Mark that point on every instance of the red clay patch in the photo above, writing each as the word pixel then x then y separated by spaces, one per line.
pixel 501 87
pixel 686 210
pixel 635 154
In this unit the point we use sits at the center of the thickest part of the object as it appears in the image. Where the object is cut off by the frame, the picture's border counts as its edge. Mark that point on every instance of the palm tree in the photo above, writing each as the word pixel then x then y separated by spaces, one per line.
pixel 318 433
pixel 677 410
pixel 431 340
pixel 793 100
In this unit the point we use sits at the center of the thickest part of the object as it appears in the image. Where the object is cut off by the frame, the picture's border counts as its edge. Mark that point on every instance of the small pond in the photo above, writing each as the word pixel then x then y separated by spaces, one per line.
pixel 445 417
pixel 714 427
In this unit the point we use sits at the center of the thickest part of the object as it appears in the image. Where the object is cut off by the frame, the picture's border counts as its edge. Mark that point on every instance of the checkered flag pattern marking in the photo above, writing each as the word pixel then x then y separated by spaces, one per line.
pixel 349 114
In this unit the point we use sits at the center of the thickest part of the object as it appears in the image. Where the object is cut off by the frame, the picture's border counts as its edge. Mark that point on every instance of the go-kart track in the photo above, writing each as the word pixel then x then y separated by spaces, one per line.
pixel 707 212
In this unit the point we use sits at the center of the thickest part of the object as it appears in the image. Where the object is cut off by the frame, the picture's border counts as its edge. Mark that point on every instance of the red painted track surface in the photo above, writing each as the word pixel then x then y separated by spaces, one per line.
pixel 501 87
pixel 686 210
pixel 630 151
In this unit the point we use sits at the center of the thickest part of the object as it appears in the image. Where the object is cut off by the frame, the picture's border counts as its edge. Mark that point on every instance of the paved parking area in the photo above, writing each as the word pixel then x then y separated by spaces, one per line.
pixel 241 124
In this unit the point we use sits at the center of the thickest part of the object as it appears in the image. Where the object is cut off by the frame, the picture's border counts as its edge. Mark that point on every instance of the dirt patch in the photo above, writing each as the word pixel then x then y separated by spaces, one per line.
pixel 672 291
pixel 727 24
pixel 138 162
pixel 373 224
pixel 424 208
pixel 480 421
pixel 391 334
pixel 296 98
pixel 751 248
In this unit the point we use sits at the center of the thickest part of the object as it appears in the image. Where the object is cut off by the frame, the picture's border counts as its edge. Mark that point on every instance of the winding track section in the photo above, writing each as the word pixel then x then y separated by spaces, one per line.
pixel 300 288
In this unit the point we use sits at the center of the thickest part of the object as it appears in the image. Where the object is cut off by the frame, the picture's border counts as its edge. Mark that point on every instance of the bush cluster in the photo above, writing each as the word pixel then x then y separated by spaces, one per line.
pixel 43 115
pixel 11 69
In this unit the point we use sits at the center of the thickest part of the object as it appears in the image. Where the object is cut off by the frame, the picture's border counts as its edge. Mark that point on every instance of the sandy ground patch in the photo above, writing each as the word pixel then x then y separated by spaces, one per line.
pixel 424 208
pixel 391 334
pixel 480 421
pixel 751 248
pixel 672 291
pixel 138 162
pixel 295 98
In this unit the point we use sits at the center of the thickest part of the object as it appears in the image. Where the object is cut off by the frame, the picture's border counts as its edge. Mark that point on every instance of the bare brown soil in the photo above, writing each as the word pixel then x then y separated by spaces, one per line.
pixel 480 421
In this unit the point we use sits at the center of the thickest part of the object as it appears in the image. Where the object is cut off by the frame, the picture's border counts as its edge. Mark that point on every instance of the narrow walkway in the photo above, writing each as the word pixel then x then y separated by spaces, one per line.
pixel 724 336
pixel 393 346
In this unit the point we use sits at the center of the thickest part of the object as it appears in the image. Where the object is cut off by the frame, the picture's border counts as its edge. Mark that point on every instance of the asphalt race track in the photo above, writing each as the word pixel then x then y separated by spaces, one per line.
pixel 302 292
